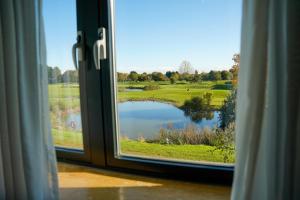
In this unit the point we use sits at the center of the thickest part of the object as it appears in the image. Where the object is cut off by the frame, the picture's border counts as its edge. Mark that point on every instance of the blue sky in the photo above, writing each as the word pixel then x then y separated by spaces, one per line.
pixel 155 35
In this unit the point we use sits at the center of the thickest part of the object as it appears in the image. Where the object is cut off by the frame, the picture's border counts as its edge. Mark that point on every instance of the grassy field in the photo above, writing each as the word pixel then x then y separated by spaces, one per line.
pixel 67 95
pixel 180 152
pixel 174 93
pixel 64 99
pixel 69 139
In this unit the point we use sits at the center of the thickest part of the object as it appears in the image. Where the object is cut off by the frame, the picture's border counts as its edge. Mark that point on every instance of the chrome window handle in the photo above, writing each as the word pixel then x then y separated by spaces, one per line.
pixel 99 48
pixel 81 49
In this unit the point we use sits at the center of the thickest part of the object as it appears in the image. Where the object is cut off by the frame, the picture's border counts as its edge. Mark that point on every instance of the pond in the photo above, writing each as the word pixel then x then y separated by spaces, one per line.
pixel 146 118
pixel 133 90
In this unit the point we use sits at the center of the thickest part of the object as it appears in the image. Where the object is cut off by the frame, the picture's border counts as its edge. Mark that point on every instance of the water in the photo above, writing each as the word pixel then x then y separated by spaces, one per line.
pixel 73 121
pixel 133 90
pixel 146 118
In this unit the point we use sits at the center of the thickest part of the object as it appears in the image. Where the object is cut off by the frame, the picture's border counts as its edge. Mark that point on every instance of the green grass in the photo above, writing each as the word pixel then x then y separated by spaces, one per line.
pixel 70 139
pixel 182 152
pixel 67 95
pixel 172 93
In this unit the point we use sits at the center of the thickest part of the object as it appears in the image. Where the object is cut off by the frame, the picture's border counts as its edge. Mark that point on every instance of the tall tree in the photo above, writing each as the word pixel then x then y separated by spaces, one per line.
pixel 54 75
pixel 122 76
pixel 186 67
pixel 158 76
pixel 226 75
pixel 235 68
pixel 70 76
pixel 133 76
pixel 215 75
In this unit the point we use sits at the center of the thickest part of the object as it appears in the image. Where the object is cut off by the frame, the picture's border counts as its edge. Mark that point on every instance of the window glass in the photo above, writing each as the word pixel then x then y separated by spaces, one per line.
pixel 177 64
pixel 64 99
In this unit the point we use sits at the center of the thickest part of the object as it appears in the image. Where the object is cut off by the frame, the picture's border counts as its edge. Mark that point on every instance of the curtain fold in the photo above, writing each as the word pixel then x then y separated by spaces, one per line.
pixel 27 156
pixel 268 104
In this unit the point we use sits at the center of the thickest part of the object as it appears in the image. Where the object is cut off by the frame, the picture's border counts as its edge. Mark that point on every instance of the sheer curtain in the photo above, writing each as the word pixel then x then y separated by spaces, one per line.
pixel 27 159
pixel 268 108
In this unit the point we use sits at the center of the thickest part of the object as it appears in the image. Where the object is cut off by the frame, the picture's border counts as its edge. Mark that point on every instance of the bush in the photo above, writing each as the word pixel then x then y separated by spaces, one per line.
pixel 227 112
pixel 225 141
pixel 151 87
pixel 189 135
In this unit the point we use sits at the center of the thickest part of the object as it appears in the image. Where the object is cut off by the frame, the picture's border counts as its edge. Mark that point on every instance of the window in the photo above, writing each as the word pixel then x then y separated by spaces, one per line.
pixel 63 78
pixel 161 100
pixel 176 64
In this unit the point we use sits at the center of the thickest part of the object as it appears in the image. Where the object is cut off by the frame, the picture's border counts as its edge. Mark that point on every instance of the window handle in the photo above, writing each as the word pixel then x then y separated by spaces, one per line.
pixel 99 48
pixel 81 49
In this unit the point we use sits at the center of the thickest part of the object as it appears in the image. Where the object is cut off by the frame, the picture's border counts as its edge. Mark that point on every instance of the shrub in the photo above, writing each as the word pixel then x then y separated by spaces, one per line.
pixel 189 135
pixel 225 141
pixel 61 105
pixel 151 87
pixel 172 80
pixel 227 111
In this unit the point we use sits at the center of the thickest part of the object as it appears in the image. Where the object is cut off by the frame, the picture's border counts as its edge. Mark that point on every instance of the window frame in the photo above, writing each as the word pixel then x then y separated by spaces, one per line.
pixel 98 109
pixel 173 169
pixel 93 152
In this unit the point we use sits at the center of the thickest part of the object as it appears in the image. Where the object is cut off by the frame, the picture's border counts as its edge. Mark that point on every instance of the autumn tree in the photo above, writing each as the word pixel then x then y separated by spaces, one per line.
pixel 235 68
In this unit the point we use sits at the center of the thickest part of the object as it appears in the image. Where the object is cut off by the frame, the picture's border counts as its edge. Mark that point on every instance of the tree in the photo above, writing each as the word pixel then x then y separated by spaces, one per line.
pixel 54 75
pixel 169 74
pixel 197 77
pixel 185 77
pixel 122 76
pixel 186 67
pixel 158 76
pixel 172 80
pixel 227 112
pixel 133 76
pixel 70 76
pixel 144 77
pixel 226 75
pixel 215 75
pixel 204 76
pixel 207 98
pixel 235 68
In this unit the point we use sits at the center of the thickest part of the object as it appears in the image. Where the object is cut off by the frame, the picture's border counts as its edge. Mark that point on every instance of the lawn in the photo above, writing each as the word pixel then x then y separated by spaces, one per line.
pixel 131 147
pixel 173 93
pixel 67 95
pixel 70 139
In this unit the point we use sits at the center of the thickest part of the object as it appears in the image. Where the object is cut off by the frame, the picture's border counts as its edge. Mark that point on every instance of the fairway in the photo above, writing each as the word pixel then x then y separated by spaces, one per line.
pixel 174 93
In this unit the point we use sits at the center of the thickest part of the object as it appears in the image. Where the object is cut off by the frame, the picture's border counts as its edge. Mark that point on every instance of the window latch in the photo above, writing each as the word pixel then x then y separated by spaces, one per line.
pixel 81 49
pixel 99 48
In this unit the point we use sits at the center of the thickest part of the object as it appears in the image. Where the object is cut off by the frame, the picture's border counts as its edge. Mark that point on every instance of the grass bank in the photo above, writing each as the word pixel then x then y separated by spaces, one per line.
pixel 181 152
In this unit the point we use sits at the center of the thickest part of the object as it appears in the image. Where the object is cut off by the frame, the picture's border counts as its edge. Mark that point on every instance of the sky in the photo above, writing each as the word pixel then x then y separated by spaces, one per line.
pixel 155 35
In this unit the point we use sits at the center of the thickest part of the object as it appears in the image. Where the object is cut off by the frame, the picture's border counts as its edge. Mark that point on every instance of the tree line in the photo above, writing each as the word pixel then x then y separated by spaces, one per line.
pixel 174 76
pixel 185 73
pixel 56 76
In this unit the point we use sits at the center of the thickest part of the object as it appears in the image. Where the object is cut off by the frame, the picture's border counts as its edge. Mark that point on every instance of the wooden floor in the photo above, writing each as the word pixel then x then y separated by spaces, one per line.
pixel 77 182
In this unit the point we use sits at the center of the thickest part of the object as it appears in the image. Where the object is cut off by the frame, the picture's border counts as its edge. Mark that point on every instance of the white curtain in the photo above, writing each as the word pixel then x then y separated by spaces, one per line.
pixel 27 158
pixel 268 105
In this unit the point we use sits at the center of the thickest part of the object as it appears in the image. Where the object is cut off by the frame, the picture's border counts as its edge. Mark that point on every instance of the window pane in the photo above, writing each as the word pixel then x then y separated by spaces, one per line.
pixel 64 100
pixel 177 64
